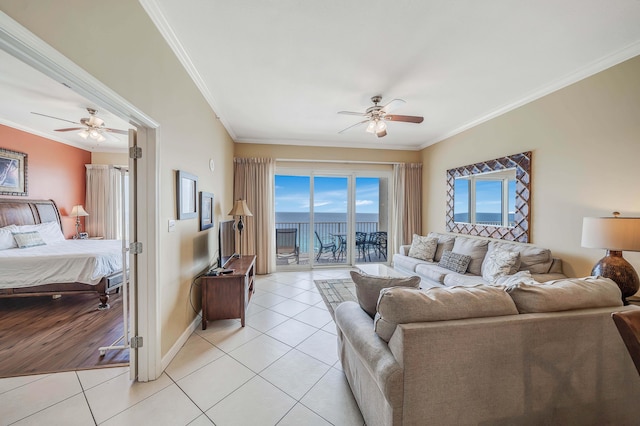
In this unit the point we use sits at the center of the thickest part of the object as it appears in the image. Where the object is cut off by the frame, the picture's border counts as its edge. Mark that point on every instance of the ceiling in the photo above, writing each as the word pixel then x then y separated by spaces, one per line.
pixel 24 90
pixel 278 71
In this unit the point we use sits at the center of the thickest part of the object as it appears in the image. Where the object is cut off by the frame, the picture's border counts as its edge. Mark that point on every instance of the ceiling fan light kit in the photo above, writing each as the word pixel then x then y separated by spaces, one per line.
pixel 376 116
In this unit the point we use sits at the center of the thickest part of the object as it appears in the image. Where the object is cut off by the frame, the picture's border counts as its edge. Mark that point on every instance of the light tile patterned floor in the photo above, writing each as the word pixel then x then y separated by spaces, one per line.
pixel 281 369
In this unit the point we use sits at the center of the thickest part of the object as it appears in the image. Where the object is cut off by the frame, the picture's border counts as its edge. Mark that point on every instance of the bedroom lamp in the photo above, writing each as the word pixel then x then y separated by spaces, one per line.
pixel 615 235
pixel 240 209
pixel 78 211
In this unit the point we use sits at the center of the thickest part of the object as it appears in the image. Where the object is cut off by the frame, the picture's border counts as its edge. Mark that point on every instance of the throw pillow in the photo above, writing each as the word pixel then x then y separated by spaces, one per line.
pixel 28 239
pixel 6 237
pixel 50 232
pixel 474 247
pixel 423 247
pixel 498 263
pixel 445 242
pixel 368 288
pixel 454 261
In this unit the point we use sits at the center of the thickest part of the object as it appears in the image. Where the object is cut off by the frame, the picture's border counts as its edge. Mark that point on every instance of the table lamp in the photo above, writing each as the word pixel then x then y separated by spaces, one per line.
pixel 240 209
pixel 614 234
pixel 78 211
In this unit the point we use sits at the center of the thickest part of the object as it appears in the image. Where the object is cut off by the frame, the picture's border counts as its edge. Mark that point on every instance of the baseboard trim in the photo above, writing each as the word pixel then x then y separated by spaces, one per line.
pixel 166 360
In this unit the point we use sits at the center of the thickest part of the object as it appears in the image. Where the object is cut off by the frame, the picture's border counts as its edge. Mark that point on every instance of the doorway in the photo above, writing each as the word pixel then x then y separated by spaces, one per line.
pixel 340 219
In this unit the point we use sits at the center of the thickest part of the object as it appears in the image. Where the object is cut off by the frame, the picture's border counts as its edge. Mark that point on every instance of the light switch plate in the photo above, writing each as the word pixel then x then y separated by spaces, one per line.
pixel 172 225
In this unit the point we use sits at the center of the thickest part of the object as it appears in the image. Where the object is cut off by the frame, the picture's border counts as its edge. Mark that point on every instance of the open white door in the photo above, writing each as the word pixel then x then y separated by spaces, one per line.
pixel 130 235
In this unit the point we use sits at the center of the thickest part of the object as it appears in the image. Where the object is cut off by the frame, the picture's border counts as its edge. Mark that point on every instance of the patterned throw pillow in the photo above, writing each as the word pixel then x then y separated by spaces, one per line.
pixel 28 239
pixel 499 263
pixel 423 247
pixel 455 261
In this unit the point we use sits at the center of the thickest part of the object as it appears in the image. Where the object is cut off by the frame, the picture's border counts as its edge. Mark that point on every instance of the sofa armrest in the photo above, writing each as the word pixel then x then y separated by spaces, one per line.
pixel 356 326
pixel 556 266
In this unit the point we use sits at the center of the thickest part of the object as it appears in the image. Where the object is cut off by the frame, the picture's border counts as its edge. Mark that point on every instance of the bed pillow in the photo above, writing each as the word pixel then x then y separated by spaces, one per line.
pixel 368 288
pixel 454 261
pixel 6 237
pixel 28 239
pixel 423 248
pixel 50 232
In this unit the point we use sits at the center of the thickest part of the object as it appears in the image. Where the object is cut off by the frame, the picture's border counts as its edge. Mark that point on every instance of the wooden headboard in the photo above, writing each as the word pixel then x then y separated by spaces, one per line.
pixel 28 212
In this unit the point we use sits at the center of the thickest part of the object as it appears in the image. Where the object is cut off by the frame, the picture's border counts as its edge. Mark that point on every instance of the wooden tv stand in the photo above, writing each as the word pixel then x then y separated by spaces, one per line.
pixel 227 295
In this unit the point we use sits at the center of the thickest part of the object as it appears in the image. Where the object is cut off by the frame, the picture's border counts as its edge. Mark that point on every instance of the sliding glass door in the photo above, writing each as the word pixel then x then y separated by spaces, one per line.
pixel 334 219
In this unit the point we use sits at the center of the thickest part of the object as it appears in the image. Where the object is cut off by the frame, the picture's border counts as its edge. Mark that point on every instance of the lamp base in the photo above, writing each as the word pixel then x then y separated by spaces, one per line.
pixel 614 266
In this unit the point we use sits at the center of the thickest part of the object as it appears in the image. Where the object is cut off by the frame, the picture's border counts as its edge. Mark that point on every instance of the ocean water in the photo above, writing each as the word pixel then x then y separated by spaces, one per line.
pixel 294 217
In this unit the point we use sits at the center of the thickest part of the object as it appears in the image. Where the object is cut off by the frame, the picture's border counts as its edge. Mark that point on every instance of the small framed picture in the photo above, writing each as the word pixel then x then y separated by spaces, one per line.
pixel 206 210
pixel 186 195
pixel 13 172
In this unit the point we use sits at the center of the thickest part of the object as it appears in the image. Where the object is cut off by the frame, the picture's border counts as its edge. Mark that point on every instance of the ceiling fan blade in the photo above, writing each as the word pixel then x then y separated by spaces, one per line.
pixel 353 125
pixel 362 114
pixel 405 118
pixel 57 118
pixel 70 129
pixel 390 106
pixel 122 132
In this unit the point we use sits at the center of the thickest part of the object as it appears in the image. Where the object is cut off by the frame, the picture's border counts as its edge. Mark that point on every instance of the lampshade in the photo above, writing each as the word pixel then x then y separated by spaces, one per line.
pixel 78 211
pixel 611 233
pixel 240 209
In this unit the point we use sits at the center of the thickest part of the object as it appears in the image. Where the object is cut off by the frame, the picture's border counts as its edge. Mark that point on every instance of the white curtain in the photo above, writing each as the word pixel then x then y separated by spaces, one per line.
pixel 254 182
pixel 104 202
pixel 406 212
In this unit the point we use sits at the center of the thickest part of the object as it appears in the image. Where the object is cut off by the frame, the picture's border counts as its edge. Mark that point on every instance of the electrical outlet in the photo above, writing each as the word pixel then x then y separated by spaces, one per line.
pixel 172 225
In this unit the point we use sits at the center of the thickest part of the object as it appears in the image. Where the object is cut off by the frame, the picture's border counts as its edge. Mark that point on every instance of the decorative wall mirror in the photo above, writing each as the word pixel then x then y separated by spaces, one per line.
pixel 491 198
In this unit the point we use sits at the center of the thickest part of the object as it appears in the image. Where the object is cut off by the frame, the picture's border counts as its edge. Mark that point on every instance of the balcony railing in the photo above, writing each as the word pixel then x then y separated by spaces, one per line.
pixel 327 232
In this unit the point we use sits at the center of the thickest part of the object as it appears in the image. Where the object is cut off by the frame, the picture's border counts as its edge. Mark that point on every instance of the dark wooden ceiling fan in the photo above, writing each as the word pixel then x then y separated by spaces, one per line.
pixel 378 115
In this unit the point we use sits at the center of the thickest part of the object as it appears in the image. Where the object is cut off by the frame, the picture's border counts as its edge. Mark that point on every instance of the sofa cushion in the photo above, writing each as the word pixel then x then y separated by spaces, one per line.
pixel 473 247
pixel 499 263
pixel 452 280
pixel 445 242
pixel 433 272
pixel 403 305
pixel 407 263
pixel 368 288
pixel 423 247
pixel 455 262
pixel 534 259
pixel 565 295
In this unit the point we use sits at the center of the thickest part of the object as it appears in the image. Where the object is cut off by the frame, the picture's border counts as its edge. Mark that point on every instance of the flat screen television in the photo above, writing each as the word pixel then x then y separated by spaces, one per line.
pixel 226 242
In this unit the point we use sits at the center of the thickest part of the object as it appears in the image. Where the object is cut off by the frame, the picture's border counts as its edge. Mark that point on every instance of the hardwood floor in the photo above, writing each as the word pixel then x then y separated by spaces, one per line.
pixel 44 335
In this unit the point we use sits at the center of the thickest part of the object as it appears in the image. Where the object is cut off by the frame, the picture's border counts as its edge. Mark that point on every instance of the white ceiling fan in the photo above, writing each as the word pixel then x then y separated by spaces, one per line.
pixel 93 126
pixel 377 116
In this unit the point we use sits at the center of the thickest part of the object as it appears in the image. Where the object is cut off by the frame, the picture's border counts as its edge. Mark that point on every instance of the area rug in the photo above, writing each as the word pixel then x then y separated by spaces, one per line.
pixel 334 292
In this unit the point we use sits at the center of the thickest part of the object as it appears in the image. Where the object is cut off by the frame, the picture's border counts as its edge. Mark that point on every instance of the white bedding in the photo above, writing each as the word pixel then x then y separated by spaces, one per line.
pixel 68 261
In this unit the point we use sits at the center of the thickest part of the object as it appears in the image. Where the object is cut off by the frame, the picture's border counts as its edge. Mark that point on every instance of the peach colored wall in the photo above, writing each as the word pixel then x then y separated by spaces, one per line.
pixel 54 171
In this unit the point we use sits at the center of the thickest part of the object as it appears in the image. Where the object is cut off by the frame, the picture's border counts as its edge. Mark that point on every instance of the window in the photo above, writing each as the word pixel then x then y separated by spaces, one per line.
pixel 486 198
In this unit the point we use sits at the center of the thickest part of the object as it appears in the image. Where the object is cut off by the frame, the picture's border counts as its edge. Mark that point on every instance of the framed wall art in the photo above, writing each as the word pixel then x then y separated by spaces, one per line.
pixel 206 210
pixel 13 173
pixel 186 195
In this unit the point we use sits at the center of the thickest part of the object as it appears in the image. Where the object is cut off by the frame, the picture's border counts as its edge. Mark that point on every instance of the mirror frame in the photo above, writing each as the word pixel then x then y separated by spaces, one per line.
pixel 520 231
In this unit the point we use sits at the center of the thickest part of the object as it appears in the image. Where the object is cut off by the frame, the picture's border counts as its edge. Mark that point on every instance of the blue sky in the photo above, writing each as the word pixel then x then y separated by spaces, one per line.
pixel 293 194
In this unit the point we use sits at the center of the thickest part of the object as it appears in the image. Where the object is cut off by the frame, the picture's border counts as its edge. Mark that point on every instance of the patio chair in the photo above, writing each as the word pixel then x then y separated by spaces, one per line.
pixel 325 246
pixel 361 239
pixel 287 244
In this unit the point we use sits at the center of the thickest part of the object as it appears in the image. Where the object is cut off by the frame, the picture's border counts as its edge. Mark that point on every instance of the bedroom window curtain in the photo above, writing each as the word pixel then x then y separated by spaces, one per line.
pixel 104 202
pixel 254 182
pixel 406 212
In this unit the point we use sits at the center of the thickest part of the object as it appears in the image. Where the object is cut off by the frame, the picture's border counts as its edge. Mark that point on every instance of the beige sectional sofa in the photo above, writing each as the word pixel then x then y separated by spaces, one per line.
pixel 527 354
pixel 537 260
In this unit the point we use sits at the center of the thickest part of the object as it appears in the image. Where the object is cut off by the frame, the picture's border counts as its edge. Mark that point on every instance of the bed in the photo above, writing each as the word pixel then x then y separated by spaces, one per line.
pixel 60 267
